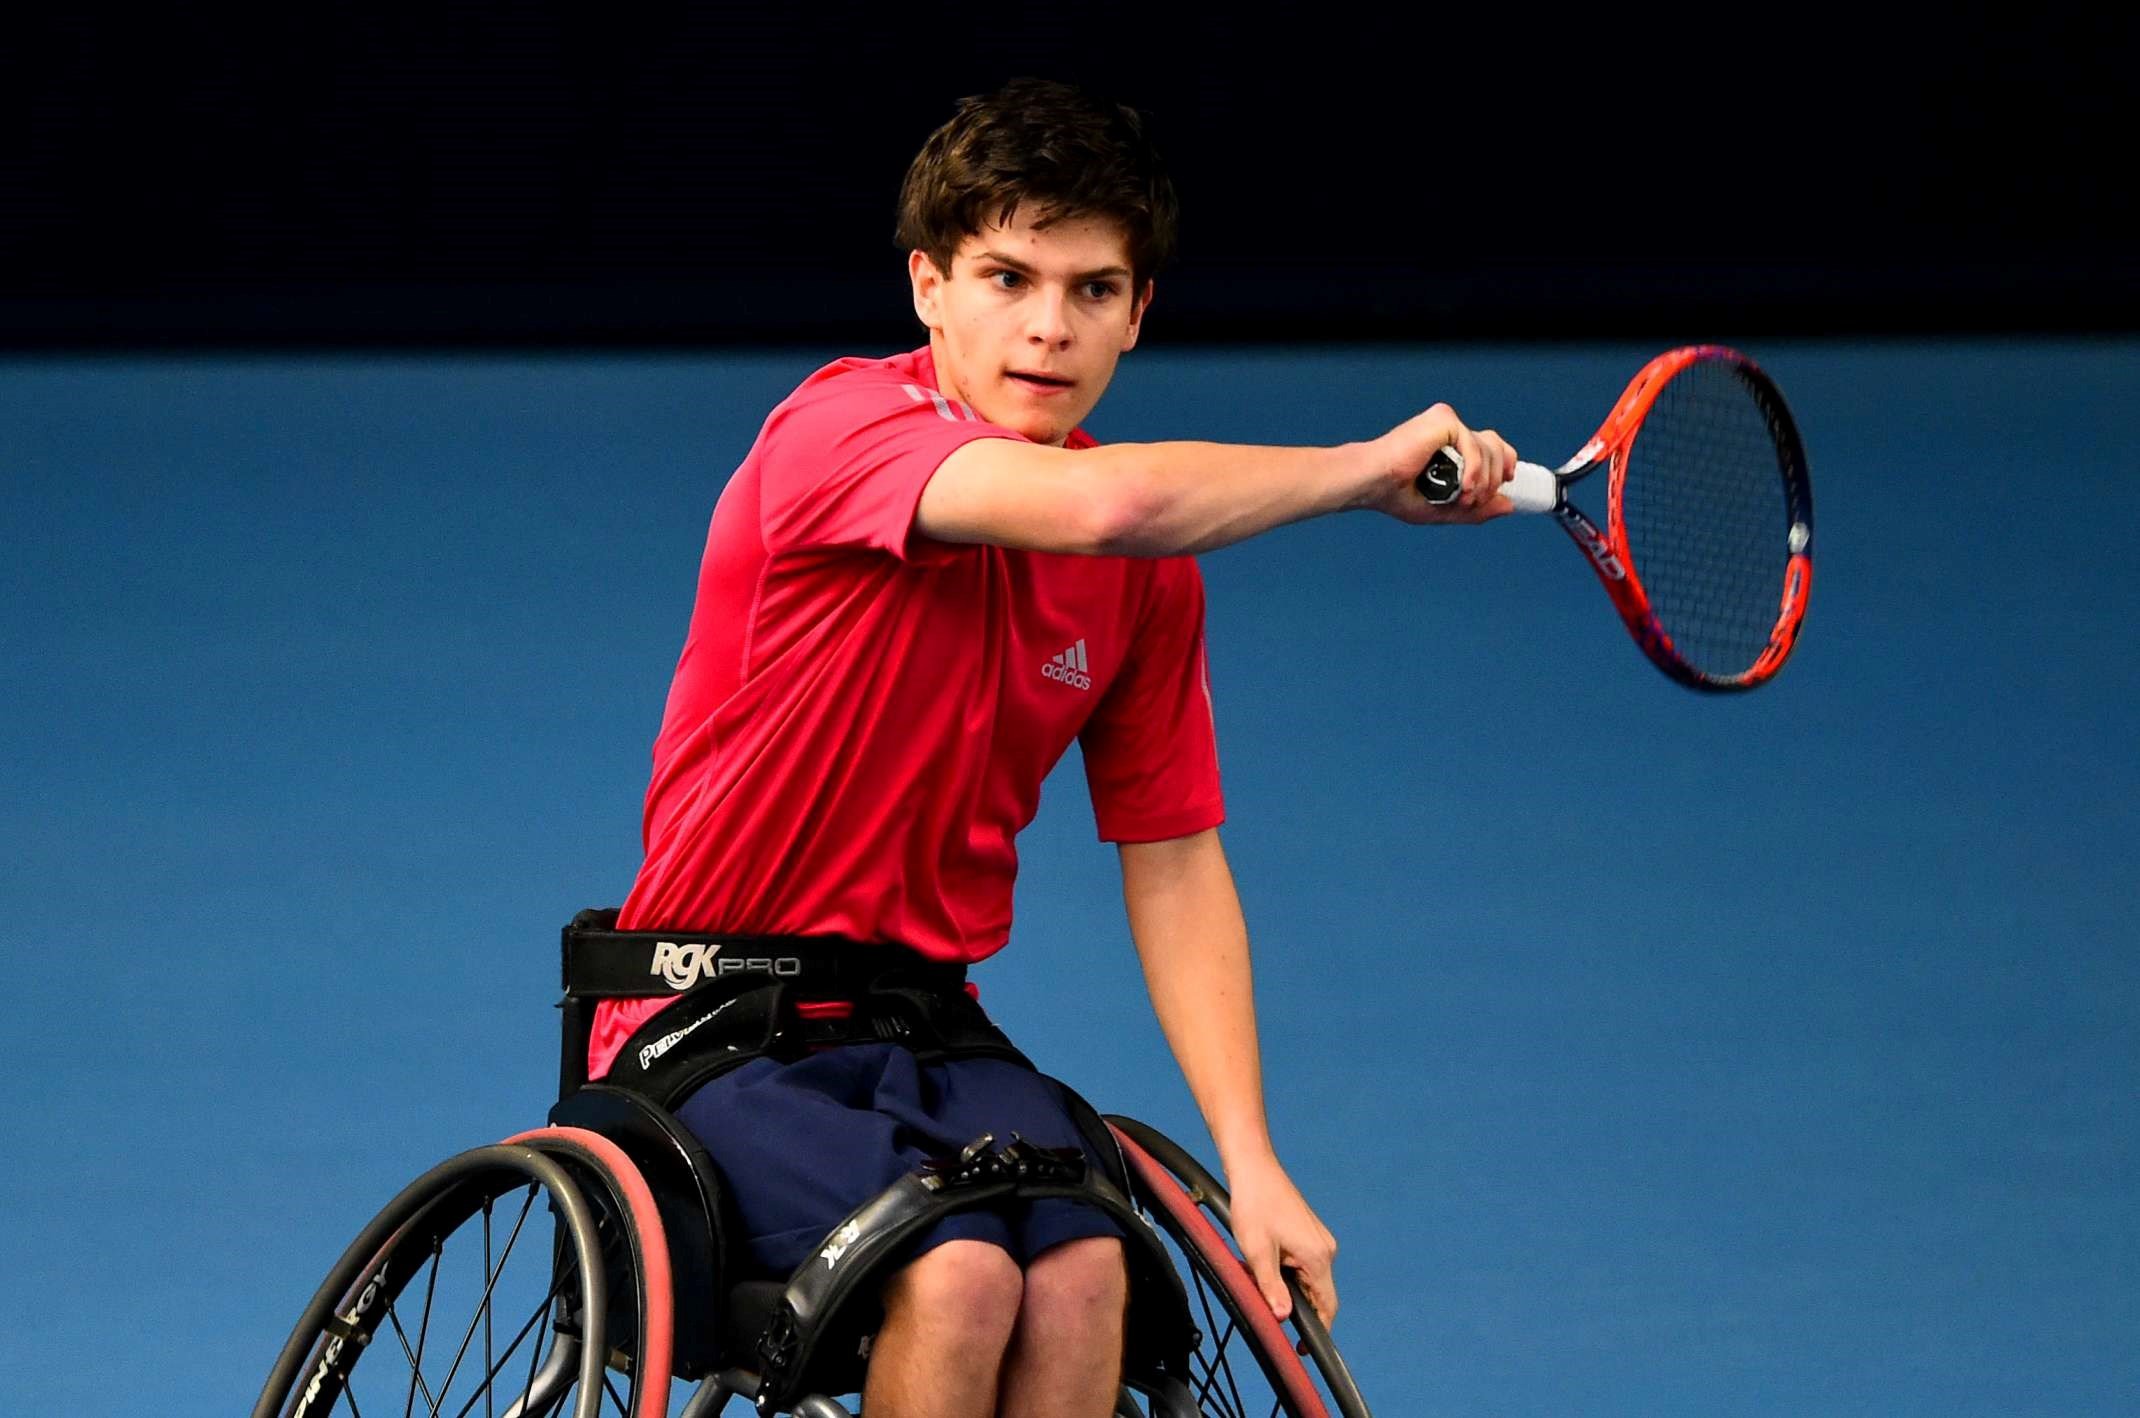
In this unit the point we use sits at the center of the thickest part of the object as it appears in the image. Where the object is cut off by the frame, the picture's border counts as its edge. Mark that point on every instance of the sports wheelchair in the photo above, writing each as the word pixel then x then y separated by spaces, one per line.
pixel 583 1267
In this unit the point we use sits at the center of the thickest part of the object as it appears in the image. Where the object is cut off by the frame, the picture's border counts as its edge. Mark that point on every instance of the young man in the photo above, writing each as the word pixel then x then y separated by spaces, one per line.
pixel 923 583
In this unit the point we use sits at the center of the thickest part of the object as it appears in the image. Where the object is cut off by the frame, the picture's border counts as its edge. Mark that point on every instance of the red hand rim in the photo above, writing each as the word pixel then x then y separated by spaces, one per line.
pixel 657 1308
pixel 1291 1374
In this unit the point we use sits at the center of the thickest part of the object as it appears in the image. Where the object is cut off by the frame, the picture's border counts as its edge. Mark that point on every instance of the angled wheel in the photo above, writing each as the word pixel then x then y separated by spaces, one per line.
pixel 512 1281
pixel 1246 1364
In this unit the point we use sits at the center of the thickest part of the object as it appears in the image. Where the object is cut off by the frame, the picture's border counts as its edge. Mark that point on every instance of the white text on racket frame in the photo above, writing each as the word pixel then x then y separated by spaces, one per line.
pixel 1592 542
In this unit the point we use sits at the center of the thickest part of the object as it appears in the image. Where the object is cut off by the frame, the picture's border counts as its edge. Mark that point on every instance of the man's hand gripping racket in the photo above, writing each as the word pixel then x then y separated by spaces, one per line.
pixel 1707 547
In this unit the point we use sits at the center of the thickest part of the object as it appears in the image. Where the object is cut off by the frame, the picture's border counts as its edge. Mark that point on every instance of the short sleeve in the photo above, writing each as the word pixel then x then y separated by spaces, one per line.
pixel 1151 747
pixel 843 463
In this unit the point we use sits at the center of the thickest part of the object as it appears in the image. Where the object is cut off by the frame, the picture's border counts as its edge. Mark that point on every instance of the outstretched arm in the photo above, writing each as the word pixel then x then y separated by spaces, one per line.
pixel 1166 499
pixel 1185 918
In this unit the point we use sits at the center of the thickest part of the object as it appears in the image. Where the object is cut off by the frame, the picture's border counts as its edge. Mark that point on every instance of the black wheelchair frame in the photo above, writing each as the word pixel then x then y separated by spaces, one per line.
pixel 635 1288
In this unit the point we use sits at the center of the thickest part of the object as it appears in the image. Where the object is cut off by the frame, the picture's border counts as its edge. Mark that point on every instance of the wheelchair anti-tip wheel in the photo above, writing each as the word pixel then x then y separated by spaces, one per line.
pixel 520 1280
pixel 1246 1364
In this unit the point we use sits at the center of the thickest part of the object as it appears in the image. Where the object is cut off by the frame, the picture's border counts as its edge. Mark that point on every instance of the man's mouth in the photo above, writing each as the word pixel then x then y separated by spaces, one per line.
pixel 1033 379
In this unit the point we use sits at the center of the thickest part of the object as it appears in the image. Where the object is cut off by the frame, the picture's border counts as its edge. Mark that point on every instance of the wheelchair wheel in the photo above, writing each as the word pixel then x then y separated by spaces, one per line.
pixel 516 1280
pixel 1245 1364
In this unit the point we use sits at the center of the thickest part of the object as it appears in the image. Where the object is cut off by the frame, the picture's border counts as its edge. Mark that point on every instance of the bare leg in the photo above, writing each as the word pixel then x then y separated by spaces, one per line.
pixel 947 1320
pixel 1065 1359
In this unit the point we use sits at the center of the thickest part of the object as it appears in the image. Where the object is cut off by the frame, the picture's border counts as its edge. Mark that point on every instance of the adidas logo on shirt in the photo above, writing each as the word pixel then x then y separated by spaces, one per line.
pixel 1069 668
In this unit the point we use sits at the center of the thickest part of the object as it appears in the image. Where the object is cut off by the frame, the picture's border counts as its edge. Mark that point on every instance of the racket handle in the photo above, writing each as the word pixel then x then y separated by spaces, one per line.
pixel 1532 489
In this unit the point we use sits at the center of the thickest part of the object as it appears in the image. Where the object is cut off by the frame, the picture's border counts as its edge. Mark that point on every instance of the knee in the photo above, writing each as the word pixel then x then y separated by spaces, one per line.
pixel 967 1291
pixel 1081 1285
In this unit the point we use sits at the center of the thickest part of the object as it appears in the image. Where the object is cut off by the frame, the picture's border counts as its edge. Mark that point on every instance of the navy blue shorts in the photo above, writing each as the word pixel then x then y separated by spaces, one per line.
pixel 800 1145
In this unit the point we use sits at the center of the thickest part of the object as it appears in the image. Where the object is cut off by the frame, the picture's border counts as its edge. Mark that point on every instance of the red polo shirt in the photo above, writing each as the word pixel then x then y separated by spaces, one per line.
pixel 862 717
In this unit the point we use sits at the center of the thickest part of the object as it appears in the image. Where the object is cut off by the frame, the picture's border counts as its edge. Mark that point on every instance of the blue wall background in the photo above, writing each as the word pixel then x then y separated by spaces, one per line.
pixel 1649 1054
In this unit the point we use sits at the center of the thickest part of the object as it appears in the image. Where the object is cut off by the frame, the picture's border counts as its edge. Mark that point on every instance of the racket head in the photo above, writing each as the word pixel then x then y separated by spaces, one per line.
pixel 1707 550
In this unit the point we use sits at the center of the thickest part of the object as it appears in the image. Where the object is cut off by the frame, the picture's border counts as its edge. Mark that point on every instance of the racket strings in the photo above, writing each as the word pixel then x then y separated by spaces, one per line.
pixel 1707 516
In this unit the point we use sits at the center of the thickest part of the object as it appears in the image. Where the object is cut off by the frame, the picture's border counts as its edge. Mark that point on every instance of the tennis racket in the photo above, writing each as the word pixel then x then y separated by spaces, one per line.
pixel 1707 547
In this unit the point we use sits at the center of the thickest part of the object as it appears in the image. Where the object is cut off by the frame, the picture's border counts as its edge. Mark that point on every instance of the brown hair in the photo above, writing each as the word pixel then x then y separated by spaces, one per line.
pixel 1065 152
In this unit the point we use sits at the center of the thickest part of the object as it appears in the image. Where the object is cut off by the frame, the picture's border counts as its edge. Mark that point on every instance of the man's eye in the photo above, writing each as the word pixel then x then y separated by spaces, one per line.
pixel 1006 280
pixel 1100 290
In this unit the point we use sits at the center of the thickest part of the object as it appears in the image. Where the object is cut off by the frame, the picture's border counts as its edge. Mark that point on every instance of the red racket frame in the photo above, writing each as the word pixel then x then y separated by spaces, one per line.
pixel 1607 549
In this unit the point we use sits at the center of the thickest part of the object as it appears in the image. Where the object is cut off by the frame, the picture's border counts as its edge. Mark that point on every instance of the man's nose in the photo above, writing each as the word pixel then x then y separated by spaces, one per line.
pixel 1049 318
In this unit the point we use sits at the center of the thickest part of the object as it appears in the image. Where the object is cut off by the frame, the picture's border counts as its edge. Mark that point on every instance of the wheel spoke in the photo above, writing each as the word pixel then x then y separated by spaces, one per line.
pixel 527 1293
pixel 1211 1371
pixel 1207 1397
pixel 490 1369
pixel 423 1333
pixel 535 1360
pixel 1221 1366
pixel 490 1283
pixel 415 1356
pixel 542 1312
pixel 1208 1392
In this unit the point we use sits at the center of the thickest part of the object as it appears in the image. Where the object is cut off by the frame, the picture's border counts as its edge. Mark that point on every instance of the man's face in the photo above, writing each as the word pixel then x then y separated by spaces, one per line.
pixel 1028 325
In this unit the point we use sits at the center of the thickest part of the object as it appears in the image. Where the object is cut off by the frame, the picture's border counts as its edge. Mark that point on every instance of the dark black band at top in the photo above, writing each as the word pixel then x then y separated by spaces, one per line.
pixel 601 962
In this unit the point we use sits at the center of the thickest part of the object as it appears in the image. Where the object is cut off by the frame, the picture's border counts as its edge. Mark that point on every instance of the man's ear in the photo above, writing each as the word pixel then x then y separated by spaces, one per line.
pixel 928 284
pixel 1136 317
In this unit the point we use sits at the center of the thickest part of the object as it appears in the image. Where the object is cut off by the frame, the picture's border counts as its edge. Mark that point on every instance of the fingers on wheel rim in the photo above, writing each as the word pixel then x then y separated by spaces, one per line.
pixel 1190 1207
